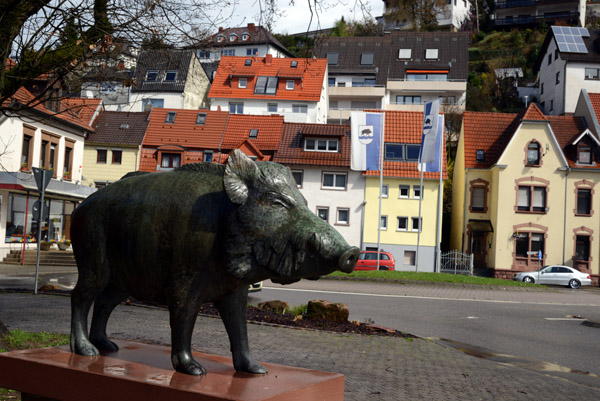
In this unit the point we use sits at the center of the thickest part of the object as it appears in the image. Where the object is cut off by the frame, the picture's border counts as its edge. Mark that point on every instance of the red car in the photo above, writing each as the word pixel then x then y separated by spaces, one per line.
pixel 368 261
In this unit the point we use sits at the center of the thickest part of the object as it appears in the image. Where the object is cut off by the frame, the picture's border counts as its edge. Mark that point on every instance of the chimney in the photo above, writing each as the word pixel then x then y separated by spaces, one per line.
pixel 221 29
pixel 268 59
pixel 251 27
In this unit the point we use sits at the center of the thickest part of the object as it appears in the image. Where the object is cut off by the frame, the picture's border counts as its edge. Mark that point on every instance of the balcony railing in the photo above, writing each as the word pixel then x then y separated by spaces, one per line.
pixel 535 19
pixel 529 3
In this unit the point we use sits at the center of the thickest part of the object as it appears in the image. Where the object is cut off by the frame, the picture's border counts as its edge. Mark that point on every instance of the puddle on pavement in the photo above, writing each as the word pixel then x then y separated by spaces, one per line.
pixel 531 364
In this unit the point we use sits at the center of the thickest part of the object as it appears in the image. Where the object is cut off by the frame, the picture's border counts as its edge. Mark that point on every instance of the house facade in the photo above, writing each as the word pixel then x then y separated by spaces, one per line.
pixel 451 16
pixel 114 148
pixel 400 71
pixel 400 231
pixel 566 69
pixel 527 13
pixel 319 157
pixel 52 140
pixel 292 87
pixel 527 184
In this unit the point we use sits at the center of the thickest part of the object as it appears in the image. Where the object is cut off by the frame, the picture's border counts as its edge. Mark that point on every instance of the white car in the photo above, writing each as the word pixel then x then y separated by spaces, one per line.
pixel 556 275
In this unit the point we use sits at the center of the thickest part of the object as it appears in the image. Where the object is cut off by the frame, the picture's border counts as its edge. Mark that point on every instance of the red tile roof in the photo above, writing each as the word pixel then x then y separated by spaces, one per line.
pixel 595 99
pixel 291 149
pixel 534 113
pixel 239 126
pixel 184 131
pixel 308 76
pixel 405 127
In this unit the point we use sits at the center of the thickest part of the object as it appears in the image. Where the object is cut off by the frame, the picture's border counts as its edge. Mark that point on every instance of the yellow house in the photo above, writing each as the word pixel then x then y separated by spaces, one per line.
pixel 113 149
pixel 401 192
pixel 524 184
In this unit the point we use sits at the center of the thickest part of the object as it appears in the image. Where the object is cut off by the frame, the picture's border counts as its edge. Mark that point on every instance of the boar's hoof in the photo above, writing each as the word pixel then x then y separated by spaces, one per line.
pixel 86 349
pixel 251 366
pixel 188 366
pixel 104 344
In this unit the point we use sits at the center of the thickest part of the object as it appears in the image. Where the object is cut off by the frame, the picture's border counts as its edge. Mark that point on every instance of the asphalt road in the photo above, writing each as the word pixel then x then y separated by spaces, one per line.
pixel 533 328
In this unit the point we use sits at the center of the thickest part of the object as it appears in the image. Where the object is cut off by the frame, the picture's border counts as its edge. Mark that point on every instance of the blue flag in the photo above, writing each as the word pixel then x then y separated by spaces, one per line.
pixel 366 141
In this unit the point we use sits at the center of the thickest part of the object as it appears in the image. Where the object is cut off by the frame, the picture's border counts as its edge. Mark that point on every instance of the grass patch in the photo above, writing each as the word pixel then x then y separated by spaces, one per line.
pixel 402 277
pixel 18 340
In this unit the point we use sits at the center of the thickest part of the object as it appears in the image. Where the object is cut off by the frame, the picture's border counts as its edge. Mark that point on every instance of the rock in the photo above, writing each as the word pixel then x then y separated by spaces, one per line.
pixel 319 309
pixel 3 330
pixel 49 287
pixel 274 305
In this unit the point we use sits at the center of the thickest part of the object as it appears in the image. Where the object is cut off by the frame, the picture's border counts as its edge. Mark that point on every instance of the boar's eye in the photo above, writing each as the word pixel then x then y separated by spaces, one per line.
pixel 280 200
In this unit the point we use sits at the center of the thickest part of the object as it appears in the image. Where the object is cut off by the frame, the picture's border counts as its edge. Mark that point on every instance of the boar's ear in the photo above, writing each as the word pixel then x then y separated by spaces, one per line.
pixel 240 170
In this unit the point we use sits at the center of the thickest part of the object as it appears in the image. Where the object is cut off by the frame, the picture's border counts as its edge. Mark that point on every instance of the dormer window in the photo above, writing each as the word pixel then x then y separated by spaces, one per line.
pixel 332 58
pixel 366 59
pixel 151 75
pixel 201 118
pixel 289 85
pixel 294 64
pixel 584 153
pixel 266 85
pixel 170 76
pixel 242 83
pixel 248 62
pixel 245 36
pixel 232 37
pixel 170 117
pixel 533 154
pixel 253 133
pixel 480 155
pixel 404 54
pixel 321 145
pixel 431 54
pixel 220 38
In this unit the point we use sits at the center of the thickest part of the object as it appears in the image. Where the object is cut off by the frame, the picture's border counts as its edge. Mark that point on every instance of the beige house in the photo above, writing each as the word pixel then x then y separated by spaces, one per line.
pixel 524 184
pixel 113 149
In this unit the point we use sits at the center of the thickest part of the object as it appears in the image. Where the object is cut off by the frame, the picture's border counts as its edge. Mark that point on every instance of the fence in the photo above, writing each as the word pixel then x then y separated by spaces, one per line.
pixel 456 262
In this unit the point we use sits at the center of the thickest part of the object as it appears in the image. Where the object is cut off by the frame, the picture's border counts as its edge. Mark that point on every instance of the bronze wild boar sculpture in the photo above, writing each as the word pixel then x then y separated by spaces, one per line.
pixel 200 233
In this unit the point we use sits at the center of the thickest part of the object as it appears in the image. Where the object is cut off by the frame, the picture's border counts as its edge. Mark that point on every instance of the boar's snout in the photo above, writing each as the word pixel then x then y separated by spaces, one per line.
pixel 348 260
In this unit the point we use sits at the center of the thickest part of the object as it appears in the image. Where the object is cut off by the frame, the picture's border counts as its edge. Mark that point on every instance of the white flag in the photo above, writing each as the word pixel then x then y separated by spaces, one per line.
pixel 366 141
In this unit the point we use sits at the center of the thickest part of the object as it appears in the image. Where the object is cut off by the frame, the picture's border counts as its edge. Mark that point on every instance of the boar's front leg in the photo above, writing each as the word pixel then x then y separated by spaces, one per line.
pixel 233 311
pixel 183 310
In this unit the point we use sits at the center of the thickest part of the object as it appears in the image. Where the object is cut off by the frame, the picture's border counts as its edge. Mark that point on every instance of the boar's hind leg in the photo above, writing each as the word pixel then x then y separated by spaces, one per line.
pixel 104 304
pixel 182 314
pixel 82 297
pixel 233 311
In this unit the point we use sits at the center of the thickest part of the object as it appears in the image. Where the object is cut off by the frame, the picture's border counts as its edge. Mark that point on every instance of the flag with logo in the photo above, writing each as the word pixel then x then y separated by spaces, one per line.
pixel 433 124
pixel 366 141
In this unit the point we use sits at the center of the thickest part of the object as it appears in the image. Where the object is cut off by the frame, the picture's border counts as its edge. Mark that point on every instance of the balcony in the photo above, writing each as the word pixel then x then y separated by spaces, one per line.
pixel 536 19
pixel 530 3
pixel 399 84
pixel 377 91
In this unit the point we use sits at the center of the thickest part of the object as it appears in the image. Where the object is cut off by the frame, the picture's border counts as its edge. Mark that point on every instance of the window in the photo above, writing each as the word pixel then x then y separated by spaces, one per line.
pixel 592 73
pixel 289 85
pixel 584 153
pixel 383 223
pixel 480 155
pixel 253 133
pixel 551 105
pixel 149 104
pixel 557 78
pixel 170 76
pixel 447 99
pixel 427 76
pixel 402 152
pixel 232 37
pixel 417 191
pixel 584 201
pixel 334 180
pixel 220 38
pixel 384 191
pixel 201 118
pixel 331 81
pixel 251 51
pixel 101 156
pixel 343 216
pixel 245 36
pixel 236 108
pixel 207 156
pixel 404 54
pixel 556 54
pixel 248 62
pixel 323 212
pixel 582 247
pixel 117 156
pixel 332 58
pixel 404 191
pixel 242 83
pixel 272 107
pixel 151 75
pixel 416 223
pixel 294 64
pixel 528 242
pixel 298 177
pixel 27 151
pixel 533 154
pixel 477 199
pixel 542 89
pixel 409 258
pixel 531 199
pixel 549 58
pixel 408 99
pixel 266 85
pixel 68 161
pixel 228 52
pixel 170 117
pixel 431 54
pixel 170 160
pixel 49 152
pixel 204 54
pixel 366 59
pixel 402 223
pixel 300 108
pixel 321 145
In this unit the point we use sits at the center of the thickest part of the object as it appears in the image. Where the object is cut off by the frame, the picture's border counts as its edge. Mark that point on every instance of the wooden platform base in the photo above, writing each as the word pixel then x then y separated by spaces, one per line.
pixel 144 372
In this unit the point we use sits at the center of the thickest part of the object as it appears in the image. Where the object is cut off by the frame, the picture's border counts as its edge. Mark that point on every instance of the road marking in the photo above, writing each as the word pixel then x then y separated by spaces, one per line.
pixel 564 318
pixel 496 301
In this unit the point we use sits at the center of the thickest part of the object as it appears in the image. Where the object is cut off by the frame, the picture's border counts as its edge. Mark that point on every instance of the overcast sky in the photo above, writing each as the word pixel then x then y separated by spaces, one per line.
pixel 297 17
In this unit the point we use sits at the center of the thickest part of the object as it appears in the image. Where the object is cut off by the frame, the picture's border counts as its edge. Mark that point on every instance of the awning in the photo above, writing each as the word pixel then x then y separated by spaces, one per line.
pixel 20 181
pixel 481 226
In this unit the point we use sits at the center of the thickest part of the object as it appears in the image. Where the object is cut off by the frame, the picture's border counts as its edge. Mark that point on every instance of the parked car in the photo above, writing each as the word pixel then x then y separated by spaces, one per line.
pixel 368 261
pixel 556 275
pixel 255 287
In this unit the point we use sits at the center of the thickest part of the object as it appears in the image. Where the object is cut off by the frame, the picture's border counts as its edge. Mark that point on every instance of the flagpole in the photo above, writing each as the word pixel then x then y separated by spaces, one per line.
pixel 419 232
pixel 381 145
pixel 438 250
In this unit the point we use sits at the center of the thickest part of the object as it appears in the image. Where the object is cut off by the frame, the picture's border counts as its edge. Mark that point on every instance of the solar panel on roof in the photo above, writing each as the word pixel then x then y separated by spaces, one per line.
pixel 570 39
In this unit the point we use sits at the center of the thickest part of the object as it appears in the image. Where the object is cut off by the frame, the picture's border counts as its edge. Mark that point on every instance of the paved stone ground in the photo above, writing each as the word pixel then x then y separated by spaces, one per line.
pixel 376 368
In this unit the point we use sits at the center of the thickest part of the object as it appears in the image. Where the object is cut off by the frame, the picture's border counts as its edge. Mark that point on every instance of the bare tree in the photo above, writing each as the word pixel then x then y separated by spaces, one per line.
pixel 422 14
